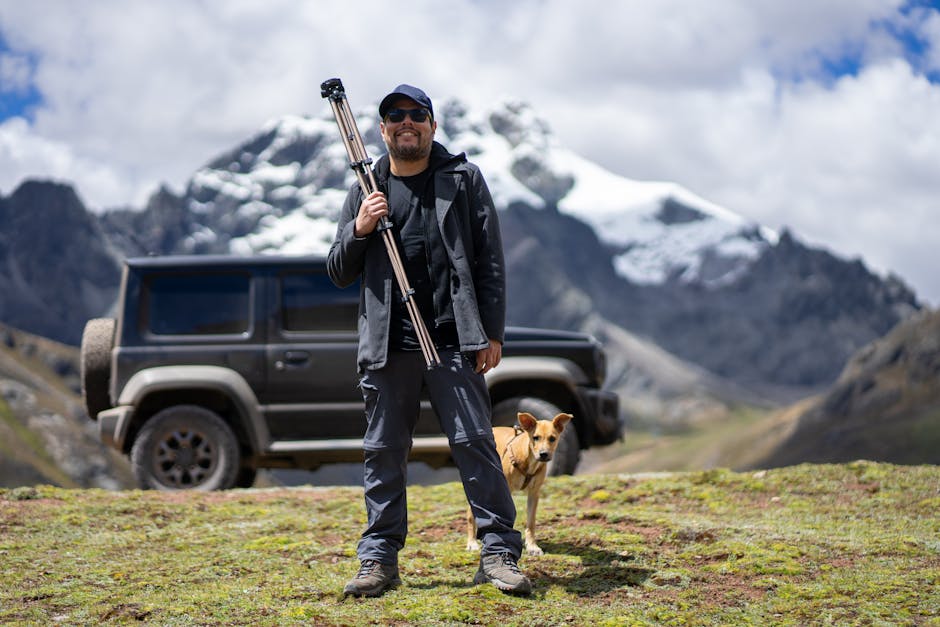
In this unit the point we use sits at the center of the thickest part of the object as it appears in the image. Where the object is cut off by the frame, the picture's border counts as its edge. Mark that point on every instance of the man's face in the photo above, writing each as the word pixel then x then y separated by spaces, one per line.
pixel 408 140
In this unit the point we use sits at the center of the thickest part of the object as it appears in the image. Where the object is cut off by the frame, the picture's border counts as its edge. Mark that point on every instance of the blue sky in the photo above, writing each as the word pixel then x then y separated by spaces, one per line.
pixel 19 95
pixel 816 116
pixel 917 44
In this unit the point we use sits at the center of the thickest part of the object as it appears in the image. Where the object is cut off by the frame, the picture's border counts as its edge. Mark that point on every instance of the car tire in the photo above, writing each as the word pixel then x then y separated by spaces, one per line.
pixel 567 455
pixel 95 365
pixel 185 447
pixel 246 477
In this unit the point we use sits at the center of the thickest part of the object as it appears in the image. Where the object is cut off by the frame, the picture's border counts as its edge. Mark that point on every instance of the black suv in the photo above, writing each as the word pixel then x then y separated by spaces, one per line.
pixel 217 366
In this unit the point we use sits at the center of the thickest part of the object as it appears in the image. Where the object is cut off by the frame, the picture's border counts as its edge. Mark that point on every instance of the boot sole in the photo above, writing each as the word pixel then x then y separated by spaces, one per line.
pixel 371 592
pixel 522 589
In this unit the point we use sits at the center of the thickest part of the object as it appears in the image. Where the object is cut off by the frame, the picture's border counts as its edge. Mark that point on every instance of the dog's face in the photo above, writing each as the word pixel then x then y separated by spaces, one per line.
pixel 543 434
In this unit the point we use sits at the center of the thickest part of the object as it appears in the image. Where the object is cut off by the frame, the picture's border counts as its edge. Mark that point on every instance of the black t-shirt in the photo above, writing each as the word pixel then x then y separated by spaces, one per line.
pixel 411 211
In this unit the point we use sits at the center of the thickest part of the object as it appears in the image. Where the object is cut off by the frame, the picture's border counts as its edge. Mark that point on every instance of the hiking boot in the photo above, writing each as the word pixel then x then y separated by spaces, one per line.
pixel 373 579
pixel 503 572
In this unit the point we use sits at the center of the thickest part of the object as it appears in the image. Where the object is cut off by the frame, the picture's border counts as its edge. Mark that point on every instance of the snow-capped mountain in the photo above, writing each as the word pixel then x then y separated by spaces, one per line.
pixel 282 190
pixel 631 261
pixel 656 229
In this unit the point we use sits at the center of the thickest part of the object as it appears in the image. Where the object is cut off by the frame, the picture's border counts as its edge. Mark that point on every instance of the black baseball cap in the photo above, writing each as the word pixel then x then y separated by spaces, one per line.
pixel 406 91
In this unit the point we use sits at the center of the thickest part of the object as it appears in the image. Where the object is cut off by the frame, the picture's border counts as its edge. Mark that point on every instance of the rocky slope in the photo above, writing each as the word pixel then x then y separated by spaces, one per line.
pixel 57 267
pixel 45 437
pixel 885 404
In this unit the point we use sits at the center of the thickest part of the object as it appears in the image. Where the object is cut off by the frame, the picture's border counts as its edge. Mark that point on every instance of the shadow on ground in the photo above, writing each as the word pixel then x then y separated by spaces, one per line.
pixel 603 570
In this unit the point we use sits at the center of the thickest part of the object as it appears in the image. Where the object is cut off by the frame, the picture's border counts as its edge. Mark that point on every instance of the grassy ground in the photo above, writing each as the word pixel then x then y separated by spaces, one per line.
pixel 847 544
pixel 736 438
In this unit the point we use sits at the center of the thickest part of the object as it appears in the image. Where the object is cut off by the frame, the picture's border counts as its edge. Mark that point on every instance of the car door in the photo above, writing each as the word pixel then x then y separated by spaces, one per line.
pixel 312 387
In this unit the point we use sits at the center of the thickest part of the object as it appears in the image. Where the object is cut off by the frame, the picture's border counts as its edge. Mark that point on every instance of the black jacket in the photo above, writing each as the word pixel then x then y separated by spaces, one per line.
pixel 469 232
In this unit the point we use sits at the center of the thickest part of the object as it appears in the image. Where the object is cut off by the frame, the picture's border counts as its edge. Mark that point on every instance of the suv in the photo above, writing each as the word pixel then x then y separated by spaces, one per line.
pixel 217 366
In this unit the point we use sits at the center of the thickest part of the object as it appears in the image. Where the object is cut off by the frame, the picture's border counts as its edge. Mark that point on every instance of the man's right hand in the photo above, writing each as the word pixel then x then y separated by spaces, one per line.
pixel 373 207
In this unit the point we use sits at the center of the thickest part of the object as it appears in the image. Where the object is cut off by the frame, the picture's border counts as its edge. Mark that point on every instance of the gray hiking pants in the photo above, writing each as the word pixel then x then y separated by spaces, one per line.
pixel 461 401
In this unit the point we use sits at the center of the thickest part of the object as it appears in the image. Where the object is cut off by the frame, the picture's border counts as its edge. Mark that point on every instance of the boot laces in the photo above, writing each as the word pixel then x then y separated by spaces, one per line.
pixel 510 562
pixel 367 568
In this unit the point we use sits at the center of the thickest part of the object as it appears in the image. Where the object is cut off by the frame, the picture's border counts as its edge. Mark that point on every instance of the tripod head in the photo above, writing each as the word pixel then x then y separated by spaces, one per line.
pixel 333 89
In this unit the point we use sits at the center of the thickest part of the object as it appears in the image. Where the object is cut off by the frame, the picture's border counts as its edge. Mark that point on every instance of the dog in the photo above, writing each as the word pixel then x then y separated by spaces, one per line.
pixel 525 451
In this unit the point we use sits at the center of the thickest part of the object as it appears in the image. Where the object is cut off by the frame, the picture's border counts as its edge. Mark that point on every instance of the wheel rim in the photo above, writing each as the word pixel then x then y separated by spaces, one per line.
pixel 185 458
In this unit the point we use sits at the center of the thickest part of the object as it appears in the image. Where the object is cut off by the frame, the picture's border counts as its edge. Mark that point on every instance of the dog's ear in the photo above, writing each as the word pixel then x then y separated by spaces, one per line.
pixel 560 421
pixel 526 420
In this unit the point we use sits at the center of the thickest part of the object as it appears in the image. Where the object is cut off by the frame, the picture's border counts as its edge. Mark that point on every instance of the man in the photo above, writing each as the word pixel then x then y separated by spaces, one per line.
pixel 448 235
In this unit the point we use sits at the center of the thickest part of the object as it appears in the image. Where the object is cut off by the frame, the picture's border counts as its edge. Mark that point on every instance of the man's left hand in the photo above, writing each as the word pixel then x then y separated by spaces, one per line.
pixel 489 358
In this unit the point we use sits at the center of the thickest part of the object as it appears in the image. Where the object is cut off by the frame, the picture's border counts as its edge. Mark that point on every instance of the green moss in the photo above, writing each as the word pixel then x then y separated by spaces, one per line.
pixel 802 545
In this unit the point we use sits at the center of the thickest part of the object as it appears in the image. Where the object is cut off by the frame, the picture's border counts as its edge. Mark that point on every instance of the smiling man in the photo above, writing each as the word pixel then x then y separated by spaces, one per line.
pixel 408 130
pixel 444 222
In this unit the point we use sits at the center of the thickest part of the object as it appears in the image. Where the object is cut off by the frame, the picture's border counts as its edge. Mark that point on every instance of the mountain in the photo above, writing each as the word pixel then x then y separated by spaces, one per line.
pixel 729 300
pixel 885 405
pixel 57 267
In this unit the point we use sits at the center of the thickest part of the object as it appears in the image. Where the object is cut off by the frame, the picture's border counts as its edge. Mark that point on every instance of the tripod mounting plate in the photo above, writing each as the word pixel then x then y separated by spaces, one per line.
pixel 332 88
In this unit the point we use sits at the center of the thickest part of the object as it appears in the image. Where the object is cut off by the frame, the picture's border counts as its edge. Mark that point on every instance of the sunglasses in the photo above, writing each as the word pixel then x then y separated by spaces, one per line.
pixel 417 116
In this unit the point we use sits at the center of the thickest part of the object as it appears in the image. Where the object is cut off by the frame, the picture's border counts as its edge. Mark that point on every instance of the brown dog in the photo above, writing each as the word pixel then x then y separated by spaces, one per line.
pixel 525 452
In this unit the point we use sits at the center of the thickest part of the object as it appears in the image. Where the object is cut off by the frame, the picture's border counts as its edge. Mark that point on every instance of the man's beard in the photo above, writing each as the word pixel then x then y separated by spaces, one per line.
pixel 409 153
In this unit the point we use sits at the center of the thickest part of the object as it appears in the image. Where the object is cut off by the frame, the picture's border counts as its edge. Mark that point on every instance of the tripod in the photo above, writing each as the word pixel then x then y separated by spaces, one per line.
pixel 360 162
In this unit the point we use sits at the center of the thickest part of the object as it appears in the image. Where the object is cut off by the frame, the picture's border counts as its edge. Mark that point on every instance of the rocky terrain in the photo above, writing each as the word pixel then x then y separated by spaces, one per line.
pixel 885 405
pixel 45 437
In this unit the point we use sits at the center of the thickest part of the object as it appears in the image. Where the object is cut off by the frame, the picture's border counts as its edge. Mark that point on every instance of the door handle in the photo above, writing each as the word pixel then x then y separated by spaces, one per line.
pixel 296 357
pixel 292 358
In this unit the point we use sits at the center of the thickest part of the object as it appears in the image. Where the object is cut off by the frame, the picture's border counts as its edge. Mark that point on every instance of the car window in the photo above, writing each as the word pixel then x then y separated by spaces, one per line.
pixel 310 302
pixel 197 304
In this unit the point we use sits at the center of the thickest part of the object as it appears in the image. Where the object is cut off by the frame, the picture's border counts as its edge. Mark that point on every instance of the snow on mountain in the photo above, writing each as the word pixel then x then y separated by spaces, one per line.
pixel 776 313
pixel 660 228
pixel 288 183
pixel 285 188
pixel 657 228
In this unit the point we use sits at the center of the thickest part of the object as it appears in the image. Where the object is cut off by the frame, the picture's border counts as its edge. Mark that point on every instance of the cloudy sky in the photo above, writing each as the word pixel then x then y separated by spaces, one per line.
pixel 822 116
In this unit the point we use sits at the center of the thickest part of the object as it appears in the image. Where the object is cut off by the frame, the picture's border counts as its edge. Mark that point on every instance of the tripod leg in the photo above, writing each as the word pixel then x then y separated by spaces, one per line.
pixel 359 161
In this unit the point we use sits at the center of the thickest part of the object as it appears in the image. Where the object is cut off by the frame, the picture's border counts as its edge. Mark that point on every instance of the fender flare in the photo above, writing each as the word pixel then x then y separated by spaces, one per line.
pixel 214 378
pixel 552 368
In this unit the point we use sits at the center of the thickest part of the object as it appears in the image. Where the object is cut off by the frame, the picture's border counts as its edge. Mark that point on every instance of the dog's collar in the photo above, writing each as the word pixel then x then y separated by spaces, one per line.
pixel 515 463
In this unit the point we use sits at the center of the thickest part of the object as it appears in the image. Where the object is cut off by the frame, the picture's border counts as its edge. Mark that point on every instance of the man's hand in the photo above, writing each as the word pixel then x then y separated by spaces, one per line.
pixel 489 358
pixel 373 207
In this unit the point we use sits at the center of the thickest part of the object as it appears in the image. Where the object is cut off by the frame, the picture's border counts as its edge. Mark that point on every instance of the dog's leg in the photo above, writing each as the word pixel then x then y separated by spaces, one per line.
pixel 532 504
pixel 472 543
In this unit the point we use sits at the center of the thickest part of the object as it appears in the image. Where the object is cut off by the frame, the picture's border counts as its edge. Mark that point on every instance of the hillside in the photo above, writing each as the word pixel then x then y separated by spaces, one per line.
pixel 885 405
pixel 849 544
pixel 45 437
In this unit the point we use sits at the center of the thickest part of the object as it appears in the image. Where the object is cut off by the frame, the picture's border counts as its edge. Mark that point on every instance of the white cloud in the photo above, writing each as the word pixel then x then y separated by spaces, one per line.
pixel 24 154
pixel 14 73
pixel 729 98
